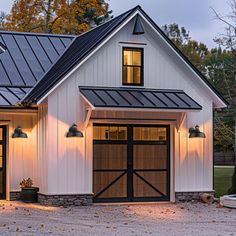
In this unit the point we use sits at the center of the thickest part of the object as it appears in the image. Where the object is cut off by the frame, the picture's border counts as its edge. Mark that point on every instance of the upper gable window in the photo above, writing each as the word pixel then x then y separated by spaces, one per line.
pixel 132 73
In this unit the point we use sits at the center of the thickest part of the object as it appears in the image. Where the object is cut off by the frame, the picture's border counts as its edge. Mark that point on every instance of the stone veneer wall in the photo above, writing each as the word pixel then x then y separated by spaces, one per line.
pixel 15 196
pixel 189 196
pixel 66 200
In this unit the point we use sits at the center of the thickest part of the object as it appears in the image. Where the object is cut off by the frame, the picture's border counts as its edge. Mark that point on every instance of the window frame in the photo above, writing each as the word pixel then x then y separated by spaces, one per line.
pixel 141 67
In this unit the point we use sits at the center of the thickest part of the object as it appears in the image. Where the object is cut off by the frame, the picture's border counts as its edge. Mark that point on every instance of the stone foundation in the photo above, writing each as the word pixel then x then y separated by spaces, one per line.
pixel 190 196
pixel 14 196
pixel 66 200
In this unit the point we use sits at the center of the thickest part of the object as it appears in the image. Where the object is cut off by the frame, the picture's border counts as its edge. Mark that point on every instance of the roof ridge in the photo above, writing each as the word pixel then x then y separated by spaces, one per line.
pixel 109 21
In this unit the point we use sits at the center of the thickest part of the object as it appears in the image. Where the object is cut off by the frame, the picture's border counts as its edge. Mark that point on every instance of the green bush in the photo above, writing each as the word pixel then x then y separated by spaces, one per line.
pixel 232 190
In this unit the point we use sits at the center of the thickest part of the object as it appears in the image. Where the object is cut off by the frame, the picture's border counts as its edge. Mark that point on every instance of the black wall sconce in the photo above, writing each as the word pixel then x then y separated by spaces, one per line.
pixel 196 133
pixel 18 133
pixel 74 132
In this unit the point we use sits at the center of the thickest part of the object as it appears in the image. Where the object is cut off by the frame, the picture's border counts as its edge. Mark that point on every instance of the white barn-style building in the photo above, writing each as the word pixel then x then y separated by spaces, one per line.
pixel 107 115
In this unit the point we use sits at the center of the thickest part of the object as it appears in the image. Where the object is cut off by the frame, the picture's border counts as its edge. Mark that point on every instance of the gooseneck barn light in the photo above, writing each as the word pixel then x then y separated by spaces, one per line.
pixel 74 132
pixel 196 133
pixel 18 133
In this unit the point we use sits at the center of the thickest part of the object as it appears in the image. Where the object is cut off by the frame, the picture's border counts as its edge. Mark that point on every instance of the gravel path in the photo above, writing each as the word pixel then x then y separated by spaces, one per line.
pixel 17 218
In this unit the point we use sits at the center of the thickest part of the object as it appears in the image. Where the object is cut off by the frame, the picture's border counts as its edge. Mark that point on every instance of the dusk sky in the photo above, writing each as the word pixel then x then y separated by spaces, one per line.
pixel 195 15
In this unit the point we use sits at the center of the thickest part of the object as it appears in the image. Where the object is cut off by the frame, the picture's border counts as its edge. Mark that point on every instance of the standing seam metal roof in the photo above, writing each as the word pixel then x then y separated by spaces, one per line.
pixel 81 47
pixel 26 59
pixel 139 98
pixel 61 62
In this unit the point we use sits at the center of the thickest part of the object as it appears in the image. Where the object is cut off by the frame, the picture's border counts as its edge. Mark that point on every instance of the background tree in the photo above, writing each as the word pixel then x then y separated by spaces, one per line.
pixel 2 20
pixel 195 52
pixel 218 67
pixel 56 16
pixel 228 40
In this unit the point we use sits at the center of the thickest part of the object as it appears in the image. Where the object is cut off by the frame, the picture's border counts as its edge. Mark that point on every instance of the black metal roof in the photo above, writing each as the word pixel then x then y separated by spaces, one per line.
pixel 84 44
pixel 39 61
pixel 26 59
pixel 79 49
pixel 139 98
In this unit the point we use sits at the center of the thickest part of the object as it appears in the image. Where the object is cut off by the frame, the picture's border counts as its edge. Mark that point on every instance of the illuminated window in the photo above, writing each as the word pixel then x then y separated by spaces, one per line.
pixel 109 133
pixel 132 66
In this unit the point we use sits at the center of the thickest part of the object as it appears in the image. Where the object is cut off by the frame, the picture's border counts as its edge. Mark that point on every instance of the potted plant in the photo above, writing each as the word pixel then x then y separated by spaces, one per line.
pixel 28 192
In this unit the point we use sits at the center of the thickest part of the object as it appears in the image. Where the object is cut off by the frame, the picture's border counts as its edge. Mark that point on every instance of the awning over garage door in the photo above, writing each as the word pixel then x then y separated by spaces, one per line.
pixel 138 98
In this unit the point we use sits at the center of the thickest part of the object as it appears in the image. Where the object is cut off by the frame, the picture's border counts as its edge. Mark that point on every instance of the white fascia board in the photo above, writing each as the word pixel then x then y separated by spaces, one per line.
pixel 87 57
pixel 144 109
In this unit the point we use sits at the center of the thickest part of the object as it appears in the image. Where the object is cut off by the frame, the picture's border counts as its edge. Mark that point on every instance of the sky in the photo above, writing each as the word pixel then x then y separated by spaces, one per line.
pixel 195 15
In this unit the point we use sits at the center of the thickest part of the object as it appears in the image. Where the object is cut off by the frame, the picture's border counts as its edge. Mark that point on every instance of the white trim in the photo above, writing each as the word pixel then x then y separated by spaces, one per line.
pixel 88 102
pixel 109 37
pixel 132 121
pixel 87 118
pixel 87 57
pixel 181 121
pixel 143 109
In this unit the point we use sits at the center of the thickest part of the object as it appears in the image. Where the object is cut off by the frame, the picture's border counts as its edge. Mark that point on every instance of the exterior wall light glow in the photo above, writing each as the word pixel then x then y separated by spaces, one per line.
pixel 18 133
pixel 196 133
pixel 74 132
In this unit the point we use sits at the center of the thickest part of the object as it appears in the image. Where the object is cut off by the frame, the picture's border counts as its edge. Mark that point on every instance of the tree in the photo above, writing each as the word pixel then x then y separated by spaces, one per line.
pixel 228 40
pixel 219 70
pixel 57 16
pixel 2 20
pixel 194 51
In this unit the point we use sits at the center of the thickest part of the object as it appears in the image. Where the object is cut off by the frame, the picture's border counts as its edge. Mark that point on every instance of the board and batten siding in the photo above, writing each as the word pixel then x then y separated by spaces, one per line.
pixel 22 158
pixel 70 160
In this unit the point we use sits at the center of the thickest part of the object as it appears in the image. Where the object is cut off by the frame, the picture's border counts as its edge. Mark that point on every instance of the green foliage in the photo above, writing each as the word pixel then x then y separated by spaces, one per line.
pixel 26 183
pixel 232 190
pixel 218 67
pixel 195 52
pixel 56 16
pixel 223 135
pixel 222 179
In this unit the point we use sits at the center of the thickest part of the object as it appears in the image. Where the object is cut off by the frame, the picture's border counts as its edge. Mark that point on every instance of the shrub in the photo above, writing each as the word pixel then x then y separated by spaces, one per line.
pixel 26 183
pixel 232 190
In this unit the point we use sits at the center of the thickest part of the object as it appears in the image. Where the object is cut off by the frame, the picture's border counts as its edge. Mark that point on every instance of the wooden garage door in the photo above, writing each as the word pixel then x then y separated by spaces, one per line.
pixel 131 163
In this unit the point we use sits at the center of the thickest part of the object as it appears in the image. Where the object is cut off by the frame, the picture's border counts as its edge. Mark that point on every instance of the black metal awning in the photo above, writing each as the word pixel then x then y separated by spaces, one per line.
pixel 138 98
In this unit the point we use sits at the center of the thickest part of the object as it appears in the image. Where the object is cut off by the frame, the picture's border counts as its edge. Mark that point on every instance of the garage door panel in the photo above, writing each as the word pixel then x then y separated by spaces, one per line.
pixel 131 163
pixel 110 156
pixel 150 184
pixel 114 184
pixel 150 156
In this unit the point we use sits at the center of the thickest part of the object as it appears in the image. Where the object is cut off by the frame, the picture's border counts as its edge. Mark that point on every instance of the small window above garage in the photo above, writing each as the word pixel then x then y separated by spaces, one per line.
pixel 132 71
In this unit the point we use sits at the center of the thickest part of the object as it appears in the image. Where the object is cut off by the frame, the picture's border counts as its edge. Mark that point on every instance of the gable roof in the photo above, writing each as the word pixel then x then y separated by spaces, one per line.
pixel 82 47
pixel 24 59
pixel 79 49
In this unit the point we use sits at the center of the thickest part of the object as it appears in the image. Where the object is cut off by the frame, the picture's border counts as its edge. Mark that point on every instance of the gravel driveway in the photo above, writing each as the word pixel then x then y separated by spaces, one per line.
pixel 17 218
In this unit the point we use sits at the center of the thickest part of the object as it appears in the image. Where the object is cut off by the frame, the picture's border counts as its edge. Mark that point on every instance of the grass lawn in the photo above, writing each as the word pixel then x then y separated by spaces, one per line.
pixel 222 179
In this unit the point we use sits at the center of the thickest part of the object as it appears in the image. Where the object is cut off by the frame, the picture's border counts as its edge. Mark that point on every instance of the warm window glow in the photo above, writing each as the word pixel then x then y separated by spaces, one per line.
pixel 150 133
pixel 109 133
pixel 132 66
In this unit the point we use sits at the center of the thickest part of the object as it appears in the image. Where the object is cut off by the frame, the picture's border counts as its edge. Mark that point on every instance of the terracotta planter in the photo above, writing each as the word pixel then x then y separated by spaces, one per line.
pixel 29 194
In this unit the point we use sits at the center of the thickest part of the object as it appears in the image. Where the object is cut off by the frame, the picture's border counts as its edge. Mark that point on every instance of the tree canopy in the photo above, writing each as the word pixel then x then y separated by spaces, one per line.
pixel 55 16
pixel 218 67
